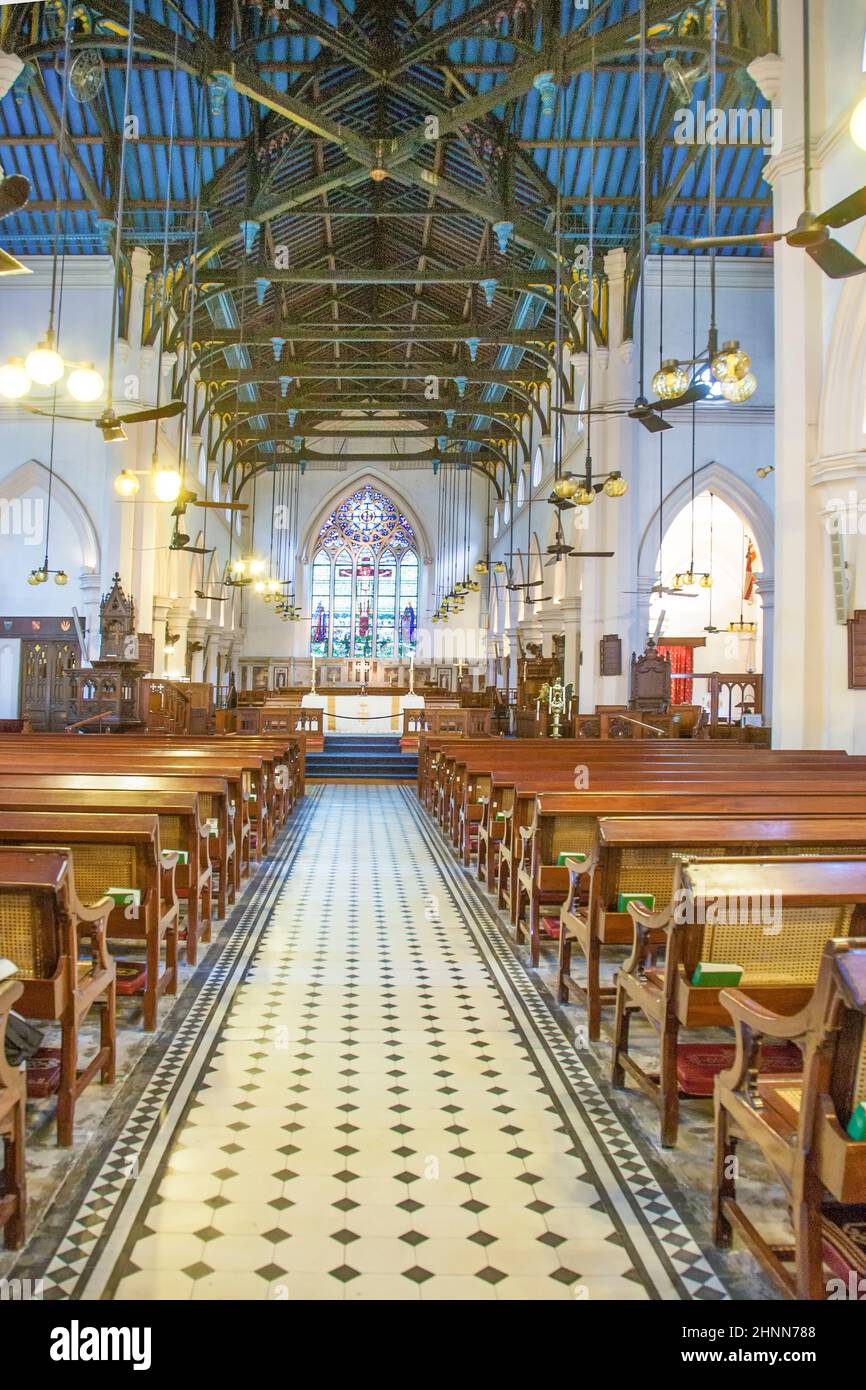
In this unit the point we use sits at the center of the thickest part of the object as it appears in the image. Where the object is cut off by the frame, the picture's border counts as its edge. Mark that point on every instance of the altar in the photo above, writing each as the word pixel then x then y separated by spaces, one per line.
pixel 359 713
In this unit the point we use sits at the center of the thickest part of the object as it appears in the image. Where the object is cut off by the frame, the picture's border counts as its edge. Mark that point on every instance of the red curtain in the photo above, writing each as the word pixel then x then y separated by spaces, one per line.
pixel 682 666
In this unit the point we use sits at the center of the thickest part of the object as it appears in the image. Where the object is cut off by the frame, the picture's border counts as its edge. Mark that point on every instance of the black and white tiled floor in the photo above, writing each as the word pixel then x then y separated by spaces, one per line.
pixel 373 1101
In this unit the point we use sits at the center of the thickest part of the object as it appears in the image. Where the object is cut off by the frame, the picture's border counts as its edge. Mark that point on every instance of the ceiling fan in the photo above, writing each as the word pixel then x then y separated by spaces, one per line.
pixel 212 598
pixel 811 234
pixel 181 541
pixel 111 424
pixel 560 549
pixel 681 80
pixel 663 589
pixel 649 413
pixel 14 192
pixel 189 499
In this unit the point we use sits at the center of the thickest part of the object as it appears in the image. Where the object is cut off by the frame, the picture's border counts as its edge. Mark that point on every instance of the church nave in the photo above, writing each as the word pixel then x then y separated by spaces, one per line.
pixel 376 1104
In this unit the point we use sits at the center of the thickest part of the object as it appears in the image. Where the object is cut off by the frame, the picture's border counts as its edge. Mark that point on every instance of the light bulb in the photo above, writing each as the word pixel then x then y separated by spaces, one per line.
pixel 40 576
pixel 732 363
pixel 584 495
pixel 740 389
pixel 256 566
pixel 565 487
pixel 33 577
pixel 14 381
pixel 167 484
pixel 670 381
pixel 126 484
pixel 481 567
pixel 857 125
pixel 259 586
pixel 239 567
pixel 44 364
pixel 706 581
pixel 268 596
pixel 61 577
pixel 85 383
pixel 615 485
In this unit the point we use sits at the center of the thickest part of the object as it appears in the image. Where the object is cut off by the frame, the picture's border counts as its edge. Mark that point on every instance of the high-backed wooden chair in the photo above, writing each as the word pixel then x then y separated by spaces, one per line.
pixel 13 1094
pixel 814 900
pixel 799 1124
pixel 43 928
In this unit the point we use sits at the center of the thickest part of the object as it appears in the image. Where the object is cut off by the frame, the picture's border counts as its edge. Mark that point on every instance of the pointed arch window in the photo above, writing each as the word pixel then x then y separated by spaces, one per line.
pixel 365 580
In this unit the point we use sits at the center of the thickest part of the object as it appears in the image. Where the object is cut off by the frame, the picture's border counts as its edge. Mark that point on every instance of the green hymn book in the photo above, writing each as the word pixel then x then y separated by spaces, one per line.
pixel 569 854
pixel 857 1122
pixel 713 975
pixel 647 900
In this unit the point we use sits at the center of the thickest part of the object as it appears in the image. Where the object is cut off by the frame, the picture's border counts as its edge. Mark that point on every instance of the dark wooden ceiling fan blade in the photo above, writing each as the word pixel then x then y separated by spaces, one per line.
pixel 700 243
pixel 848 210
pixel 698 391
pixel 650 420
pixel 160 412
pixel 54 415
pixel 835 260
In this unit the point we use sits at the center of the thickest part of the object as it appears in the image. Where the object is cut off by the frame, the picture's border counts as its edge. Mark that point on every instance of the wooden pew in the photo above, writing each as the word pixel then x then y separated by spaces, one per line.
pixel 639 854
pixel 799 1124
pixel 189 773
pixel 563 824
pixel 43 927
pixel 174 800
pixel 13 1096
pixel 813 900
pixel 116 852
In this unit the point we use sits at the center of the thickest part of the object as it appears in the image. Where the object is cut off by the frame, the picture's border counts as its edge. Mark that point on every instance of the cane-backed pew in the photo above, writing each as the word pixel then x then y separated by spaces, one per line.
pixel 174 800
pixel 563 823
pixel 13 1096
pixel 187 773
pixel 116 852
pixel 780 952
pixel 800 1124
pixel 639 854
pixel 44 927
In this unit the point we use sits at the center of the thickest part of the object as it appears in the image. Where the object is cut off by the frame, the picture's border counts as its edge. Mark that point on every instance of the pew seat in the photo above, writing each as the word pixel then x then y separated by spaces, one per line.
pixel 13 1179
pixel 800 1126
pixel 718 914
pixel 638 855
pixel 116 852
pixel 59 947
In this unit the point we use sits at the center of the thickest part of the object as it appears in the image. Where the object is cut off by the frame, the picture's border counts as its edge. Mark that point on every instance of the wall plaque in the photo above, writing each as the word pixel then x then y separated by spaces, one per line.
pixel 610 660
pixel 857 650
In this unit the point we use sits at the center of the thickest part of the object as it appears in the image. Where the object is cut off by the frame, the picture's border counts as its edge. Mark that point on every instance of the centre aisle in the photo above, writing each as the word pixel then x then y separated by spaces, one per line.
pixel 370 1099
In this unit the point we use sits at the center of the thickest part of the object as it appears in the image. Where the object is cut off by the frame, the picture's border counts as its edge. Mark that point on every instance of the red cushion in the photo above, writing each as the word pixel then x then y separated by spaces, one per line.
pixel 698 1064
pixel 550 927
pixel 43 1073
pixel 131 976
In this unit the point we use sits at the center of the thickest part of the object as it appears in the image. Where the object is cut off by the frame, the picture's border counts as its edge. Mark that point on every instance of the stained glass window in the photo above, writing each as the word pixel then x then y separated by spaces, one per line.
pixel 365 580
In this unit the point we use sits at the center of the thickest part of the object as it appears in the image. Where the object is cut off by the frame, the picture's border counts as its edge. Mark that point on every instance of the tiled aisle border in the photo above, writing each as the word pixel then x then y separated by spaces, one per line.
pixel 613 1158
pixel 85 1256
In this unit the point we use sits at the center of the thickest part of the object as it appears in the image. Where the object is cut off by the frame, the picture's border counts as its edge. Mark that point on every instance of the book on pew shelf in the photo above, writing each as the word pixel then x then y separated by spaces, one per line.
pixel 213 825
pixel 857 1124
pixel 500 815
pixel 569 854
pixel 125 897
pixel 647 900
pixel 713 975
pixel 8 969
pixel 182 855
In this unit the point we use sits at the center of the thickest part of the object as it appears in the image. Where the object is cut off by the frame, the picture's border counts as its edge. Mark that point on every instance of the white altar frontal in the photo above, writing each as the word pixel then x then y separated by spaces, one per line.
pixel 362 714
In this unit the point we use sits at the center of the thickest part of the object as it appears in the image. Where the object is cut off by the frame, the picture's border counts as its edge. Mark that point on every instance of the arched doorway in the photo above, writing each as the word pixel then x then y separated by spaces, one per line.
pixel 710 607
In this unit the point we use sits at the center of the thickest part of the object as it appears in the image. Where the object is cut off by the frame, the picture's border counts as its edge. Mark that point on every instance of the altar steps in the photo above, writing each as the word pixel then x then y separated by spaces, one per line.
pixel 360 757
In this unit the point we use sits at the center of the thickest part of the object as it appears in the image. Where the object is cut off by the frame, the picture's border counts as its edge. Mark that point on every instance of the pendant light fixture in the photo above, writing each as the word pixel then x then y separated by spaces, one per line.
pixel 730 365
